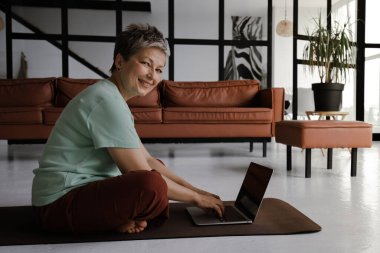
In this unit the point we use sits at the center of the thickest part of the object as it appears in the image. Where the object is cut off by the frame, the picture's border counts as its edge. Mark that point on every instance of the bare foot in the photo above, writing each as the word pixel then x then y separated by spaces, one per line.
pixel 132 226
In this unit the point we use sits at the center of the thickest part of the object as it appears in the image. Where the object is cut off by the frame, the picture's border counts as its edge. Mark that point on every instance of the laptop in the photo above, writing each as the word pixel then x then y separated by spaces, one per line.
pixel 247 204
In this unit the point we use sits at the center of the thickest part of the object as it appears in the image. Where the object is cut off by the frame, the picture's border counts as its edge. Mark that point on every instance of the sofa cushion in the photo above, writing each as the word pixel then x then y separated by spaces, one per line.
pixel 26 92
pixel 152 99
pixel 217 115
pixel 141 115
pixel 20 115
pixel 147 115
pixel 324 133
pixel 50 115
pixel 67 88
pixel 233 93
pixel 204 130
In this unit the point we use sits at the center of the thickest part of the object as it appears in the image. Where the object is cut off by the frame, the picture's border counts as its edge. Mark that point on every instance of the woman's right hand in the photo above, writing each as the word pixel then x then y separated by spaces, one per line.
pixel 203 192
pixel 208 202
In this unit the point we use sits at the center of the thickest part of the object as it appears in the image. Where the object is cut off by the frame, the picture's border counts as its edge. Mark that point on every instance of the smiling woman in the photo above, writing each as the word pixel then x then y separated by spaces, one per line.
pixel 139 58
pixel 95 174
pixel 138 75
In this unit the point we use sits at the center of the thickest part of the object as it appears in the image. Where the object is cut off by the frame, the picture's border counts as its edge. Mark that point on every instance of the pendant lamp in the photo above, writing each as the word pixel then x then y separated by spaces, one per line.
pixel 284 28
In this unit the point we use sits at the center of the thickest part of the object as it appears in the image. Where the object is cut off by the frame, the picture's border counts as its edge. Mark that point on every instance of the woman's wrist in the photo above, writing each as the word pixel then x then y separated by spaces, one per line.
pixel 196 198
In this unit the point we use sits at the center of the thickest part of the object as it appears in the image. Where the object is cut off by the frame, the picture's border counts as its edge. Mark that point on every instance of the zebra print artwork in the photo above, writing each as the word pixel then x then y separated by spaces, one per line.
pixel 244 62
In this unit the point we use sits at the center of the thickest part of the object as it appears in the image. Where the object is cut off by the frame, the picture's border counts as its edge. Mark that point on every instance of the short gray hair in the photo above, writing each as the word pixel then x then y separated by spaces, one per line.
pixel 136 37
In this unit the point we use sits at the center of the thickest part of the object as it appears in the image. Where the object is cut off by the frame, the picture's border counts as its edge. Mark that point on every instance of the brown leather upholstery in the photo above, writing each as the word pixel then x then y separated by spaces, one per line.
pixel 36 92
pixel 324 133
pixel 272 98
pixel 152 99
pixel 29 108
pixel 217 115
pixel 20 115
pixel 147 115
pixel 204 130
pixel 67 88
pixel 309 134
pixel 233 93
pixel 25 131
pixel 51 115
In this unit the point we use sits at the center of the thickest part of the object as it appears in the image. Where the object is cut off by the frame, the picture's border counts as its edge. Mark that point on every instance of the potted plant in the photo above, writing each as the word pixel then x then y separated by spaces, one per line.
pixel 331 52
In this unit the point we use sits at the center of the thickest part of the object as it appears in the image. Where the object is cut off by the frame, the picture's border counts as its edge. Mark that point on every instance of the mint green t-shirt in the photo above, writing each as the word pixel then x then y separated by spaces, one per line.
pixel 76 151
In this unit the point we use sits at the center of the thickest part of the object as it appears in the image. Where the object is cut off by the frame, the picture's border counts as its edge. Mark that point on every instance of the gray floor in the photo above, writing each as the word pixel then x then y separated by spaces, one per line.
pixel 348 209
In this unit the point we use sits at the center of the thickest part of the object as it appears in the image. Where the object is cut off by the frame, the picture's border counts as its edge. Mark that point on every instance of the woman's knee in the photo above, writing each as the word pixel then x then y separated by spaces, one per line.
pixel 152 194
pixel 152 181
pixel 147 183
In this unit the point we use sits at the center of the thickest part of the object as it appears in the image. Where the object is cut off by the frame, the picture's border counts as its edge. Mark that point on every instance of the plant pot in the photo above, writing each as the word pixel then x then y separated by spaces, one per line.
pixel 327 96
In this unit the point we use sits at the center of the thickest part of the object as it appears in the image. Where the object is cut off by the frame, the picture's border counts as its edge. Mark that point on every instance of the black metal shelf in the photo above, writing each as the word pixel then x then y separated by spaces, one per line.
pixel 81 4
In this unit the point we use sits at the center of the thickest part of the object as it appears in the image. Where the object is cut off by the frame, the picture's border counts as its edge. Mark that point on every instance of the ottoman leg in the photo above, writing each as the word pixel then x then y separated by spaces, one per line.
pixel 308 163
pixel 288 157
pixel 354 158
pixel 264 149
pixel 329 158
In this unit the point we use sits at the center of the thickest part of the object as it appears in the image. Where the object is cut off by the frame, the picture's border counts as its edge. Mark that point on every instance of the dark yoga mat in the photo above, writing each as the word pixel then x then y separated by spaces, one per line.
pixel 276 217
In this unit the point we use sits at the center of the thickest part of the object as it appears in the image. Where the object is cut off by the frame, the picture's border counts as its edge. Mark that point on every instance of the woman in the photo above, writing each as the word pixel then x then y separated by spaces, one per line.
pixel 95 174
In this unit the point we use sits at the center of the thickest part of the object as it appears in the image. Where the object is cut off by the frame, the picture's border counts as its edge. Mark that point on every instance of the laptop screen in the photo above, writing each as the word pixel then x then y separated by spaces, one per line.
pixel 253 189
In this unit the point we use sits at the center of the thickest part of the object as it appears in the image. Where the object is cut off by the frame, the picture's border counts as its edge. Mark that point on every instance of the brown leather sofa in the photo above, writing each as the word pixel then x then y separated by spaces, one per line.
pixel 173 112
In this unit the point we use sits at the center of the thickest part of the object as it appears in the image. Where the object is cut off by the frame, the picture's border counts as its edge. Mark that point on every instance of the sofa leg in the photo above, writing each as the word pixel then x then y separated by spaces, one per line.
pixel 250 146
pixel 264 149
pixel 329 158
pixel 10 152
pixel 288 157
pixel 354 158
pixel 171 153
pixel 308 163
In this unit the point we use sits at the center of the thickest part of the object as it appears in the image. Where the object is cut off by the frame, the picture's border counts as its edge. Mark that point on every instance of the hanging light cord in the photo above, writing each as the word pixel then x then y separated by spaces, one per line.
pixel 285 10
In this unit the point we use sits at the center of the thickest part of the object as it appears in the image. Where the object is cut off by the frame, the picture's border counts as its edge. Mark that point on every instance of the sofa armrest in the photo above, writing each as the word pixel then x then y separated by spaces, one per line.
pixel 273 98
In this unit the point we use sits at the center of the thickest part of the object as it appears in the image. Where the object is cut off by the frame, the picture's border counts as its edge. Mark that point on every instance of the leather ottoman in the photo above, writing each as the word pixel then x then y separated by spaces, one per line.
pixel 309 134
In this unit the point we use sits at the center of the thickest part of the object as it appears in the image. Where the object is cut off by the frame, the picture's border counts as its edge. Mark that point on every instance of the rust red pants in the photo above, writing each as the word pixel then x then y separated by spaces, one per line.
pixel 107 204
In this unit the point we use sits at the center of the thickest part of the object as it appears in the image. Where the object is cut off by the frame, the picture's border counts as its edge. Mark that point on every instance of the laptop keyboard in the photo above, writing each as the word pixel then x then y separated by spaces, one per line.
pixel 231 214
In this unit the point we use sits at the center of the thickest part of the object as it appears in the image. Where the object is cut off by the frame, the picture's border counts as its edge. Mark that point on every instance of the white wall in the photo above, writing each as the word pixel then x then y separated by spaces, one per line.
pixel 196 63
pixel 44 59
pixel 282 49
pixel 3 59
pixel 193 19
pixel 196 19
